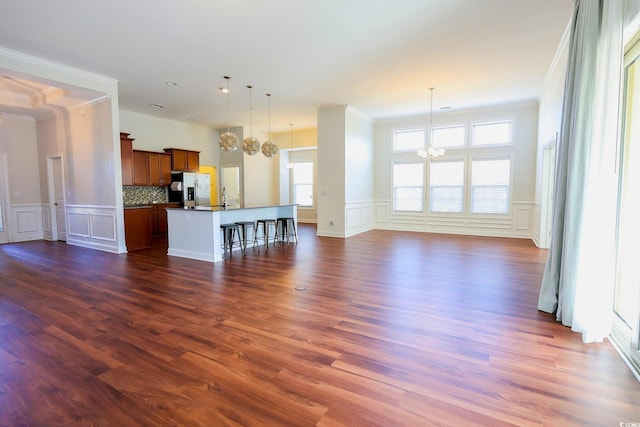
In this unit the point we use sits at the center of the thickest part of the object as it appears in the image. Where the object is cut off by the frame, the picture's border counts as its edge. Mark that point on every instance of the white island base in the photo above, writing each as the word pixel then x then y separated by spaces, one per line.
pixel 195 232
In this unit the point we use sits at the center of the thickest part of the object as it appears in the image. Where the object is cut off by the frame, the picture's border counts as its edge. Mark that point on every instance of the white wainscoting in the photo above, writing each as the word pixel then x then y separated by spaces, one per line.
pixel 92 227
pixel 518 224
pixel 359 217
pixel 47 232
pixel 25 222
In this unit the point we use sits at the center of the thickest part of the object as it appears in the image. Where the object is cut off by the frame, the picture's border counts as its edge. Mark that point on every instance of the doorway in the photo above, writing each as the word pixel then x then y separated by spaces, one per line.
pixel 56 198
pixel 626 326
pixel 230 181
pixel 4 199
pixel 548 191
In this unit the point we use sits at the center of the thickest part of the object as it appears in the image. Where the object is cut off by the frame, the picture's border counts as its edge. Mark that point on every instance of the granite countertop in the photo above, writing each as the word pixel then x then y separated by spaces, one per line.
pixel 148 205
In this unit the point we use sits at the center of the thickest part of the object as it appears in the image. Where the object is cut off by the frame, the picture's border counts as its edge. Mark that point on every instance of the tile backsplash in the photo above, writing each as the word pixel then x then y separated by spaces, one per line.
pixel 137 195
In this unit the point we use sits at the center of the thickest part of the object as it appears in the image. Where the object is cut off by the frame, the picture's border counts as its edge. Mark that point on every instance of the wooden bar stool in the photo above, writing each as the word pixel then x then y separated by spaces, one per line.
pixel 229 232
pixel 244 227
pixel 265 224
pixel 286 229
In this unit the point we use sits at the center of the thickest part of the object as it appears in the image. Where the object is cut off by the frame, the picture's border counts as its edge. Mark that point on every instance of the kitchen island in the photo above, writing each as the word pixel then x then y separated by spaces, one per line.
pixel 195 232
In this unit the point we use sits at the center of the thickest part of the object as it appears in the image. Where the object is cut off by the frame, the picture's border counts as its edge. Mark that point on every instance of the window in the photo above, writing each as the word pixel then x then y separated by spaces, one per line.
pixel 408 140
pixel 408 181
pixel 446 187
pixel 303 183
pixel 448 137
pixel 490 186
pixel 497 133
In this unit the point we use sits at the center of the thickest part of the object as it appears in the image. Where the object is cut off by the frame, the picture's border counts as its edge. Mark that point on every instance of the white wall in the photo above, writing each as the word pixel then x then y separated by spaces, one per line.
pixel 331 171
pixel 359 173
pixel 154 134
pixel 549 121
pixel 518 223
pixel 19 145
pixel 18 139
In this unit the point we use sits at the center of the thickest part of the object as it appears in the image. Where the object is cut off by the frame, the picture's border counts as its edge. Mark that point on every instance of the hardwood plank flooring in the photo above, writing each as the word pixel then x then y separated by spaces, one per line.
pixel 393 329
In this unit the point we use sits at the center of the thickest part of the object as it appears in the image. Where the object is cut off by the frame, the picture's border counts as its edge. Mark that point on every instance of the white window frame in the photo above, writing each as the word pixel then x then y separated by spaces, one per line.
pixel 465 139
pixel 393 187
pixel 407 130
pixel 472 134
pixel 464 187
pixel 313 184
pixel 486 157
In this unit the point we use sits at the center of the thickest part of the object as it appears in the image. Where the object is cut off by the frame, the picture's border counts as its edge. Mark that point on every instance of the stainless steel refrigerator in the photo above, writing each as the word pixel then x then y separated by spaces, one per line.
pixel 191 189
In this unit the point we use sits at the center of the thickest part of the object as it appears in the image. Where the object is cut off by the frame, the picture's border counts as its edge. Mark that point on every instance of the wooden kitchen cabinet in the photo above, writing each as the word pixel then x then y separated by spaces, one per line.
pixel 159 224
pixel 184 160
pixel 137 228
pixel 159 169
pixel 150 168
pixel 140 168
pixel 126 158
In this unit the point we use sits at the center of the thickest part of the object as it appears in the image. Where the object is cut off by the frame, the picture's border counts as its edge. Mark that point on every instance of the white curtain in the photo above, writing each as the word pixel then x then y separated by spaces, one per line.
pixel 579 275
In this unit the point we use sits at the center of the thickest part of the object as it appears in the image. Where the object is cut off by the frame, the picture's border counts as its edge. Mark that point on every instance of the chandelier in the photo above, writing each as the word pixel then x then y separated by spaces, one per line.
pixel 250 145
pixel 229 141
pixel 289 164
pixel 269 148
pixel 431 152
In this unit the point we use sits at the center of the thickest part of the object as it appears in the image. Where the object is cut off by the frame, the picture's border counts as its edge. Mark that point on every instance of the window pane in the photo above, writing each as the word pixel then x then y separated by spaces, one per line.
pixel 490 181
pixel 492 133
pixel 452 136
pixel 303 173
pixel 407 140
pixel 303 194
pixel 303 183
pixel 408 186
pixel 446 187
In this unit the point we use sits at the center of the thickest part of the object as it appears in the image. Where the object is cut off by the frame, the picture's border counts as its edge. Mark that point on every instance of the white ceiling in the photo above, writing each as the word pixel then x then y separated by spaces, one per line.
pixel 377 56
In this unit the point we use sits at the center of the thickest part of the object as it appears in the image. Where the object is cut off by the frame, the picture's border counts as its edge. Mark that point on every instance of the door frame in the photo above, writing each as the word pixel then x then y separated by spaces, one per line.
pixel 4 199
pixel 547 190
pixel 53 214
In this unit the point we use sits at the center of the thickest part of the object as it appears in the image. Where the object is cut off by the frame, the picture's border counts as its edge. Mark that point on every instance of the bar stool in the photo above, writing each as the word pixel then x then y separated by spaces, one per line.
pixel 287 228
pixel 244 227
pixel 266 225
pixel 228 237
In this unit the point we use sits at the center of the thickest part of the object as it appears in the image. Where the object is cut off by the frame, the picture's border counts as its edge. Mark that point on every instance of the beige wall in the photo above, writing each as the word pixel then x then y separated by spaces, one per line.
pixel 18 139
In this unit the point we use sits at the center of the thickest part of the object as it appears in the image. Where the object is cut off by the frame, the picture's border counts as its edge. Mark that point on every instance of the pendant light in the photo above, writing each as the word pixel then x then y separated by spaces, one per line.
pixel 269 148
pixel 250 145
pixel 430 152
pixel 229 141
pixel 289 164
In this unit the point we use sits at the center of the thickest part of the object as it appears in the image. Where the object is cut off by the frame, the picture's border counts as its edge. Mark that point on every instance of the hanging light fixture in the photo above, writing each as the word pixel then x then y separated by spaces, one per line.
pixel 250 145
pixel 289 164
pixel 430 152
pixel 269 148
pixel 229 141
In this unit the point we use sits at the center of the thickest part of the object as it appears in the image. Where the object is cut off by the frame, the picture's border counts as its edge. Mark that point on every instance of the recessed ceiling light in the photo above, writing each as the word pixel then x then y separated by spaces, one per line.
pixel 157 106
pixel 171 83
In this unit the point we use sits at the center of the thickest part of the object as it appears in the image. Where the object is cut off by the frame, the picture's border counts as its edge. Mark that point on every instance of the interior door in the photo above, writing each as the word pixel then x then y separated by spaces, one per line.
pixel 4 199
pixel 626 308
pixel 56 194
pixel 231 184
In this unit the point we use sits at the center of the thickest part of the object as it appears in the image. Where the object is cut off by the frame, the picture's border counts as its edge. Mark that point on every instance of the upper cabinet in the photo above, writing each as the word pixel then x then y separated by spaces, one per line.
pixel 159 169
pixel 184 160
pixel 126 156
pixel 140 168
pixel 150 168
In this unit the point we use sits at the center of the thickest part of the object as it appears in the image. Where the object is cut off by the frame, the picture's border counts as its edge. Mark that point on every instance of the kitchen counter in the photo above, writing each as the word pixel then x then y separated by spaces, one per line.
pixel 195 232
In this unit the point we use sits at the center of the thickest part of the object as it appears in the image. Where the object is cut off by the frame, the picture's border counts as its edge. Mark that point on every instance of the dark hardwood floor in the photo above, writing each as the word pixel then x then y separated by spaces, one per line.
pixel 393 329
